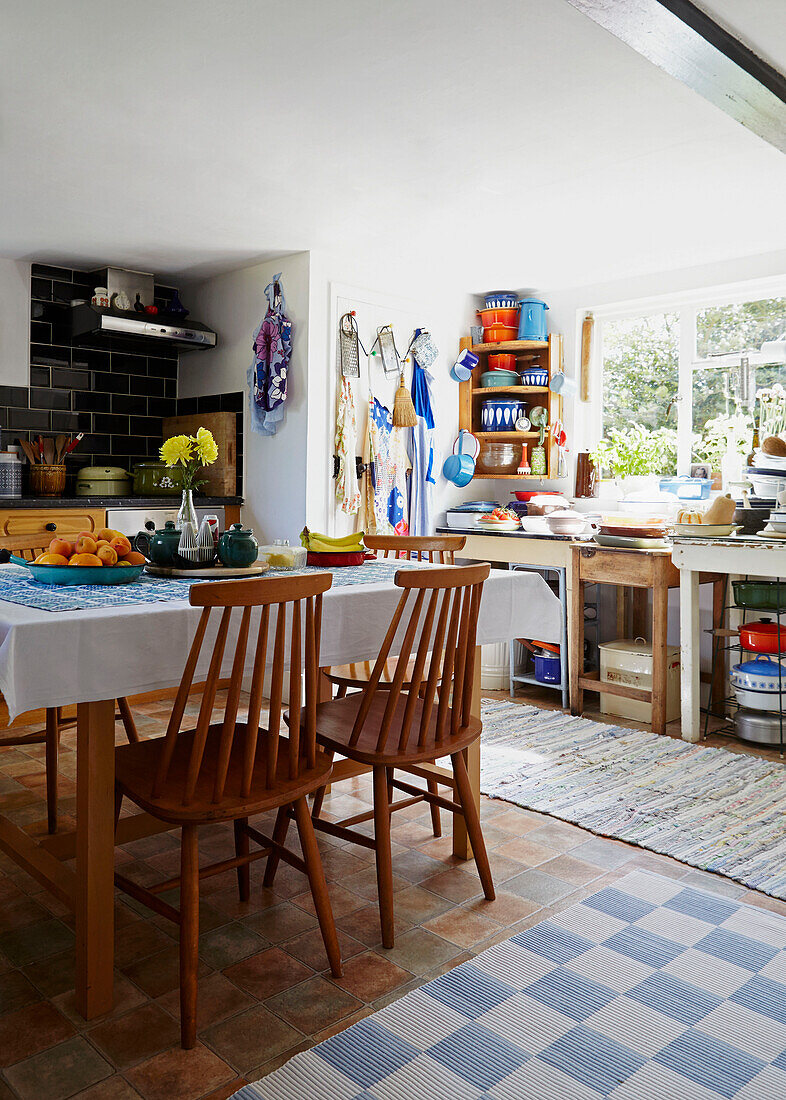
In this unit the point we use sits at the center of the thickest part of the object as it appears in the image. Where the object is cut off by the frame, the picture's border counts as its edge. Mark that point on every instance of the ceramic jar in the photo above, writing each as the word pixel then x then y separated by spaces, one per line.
pixel 237 547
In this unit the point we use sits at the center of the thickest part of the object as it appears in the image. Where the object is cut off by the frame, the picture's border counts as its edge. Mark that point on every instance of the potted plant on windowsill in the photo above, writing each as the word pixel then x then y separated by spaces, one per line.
pixel 637 456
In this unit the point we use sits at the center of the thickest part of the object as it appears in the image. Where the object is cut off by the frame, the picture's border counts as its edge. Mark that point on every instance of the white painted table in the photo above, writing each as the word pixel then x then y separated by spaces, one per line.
pixel 91 657
pixel 735 557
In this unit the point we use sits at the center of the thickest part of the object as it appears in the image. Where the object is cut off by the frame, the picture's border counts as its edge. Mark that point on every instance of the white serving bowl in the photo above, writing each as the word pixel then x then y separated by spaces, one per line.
pixel 767 485
pixel 763 461
pixel 534 525
pixel 566 523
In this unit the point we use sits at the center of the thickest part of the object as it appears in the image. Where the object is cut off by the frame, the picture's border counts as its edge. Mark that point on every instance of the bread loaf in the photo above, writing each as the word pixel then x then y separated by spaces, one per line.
pixel 774 445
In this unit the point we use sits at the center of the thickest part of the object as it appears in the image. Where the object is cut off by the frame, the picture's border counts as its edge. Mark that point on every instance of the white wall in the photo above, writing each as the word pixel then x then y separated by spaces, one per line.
pixel 14 323
pixel 416 292
pixel 274 467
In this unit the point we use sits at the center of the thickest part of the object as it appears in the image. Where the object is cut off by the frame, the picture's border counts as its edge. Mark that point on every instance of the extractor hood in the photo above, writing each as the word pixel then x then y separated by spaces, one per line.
pixel 99 327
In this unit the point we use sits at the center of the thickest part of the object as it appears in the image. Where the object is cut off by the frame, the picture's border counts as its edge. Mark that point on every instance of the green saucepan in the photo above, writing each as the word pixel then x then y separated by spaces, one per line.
pixel 75 574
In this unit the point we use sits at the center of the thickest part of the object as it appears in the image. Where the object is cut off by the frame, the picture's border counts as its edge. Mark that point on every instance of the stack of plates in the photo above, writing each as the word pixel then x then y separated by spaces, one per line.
pixel 634 532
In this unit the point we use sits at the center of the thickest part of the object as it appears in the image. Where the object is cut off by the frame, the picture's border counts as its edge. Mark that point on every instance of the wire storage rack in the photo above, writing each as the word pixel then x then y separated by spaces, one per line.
pixel 520 658
pixel 753 600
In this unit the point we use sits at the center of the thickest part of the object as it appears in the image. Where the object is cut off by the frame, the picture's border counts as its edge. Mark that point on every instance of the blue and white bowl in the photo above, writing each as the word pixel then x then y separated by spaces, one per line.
pixel 501 299
pixel 535 376
pixel 501 414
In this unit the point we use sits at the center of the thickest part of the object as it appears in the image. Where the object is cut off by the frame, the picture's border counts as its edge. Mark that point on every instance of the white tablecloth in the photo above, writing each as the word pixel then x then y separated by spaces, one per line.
pixel 58 658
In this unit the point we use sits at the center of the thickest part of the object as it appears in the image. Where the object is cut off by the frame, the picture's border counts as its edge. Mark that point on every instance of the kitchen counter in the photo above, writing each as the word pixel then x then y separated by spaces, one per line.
pixel 114 502
pixel 511 534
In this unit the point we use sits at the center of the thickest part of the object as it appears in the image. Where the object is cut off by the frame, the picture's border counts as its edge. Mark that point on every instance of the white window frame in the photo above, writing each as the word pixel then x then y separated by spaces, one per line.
pixel 688 304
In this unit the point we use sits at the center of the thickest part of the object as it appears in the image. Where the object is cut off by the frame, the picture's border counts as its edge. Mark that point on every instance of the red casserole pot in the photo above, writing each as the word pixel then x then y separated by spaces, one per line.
pixel 496 334
pixel 762 637
pixel 490 317
pixel 504 360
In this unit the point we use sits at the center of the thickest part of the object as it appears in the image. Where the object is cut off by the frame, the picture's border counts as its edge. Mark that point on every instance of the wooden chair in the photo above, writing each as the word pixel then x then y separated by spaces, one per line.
pixel 230 770
pixel 435 549
pixel 420 716
pixel 29 547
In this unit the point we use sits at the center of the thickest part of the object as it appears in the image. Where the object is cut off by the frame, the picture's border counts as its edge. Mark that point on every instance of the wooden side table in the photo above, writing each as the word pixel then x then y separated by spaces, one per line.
pixel 639 570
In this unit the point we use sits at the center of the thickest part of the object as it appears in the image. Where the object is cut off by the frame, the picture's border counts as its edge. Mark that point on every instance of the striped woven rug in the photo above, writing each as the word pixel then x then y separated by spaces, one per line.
pixel 712 809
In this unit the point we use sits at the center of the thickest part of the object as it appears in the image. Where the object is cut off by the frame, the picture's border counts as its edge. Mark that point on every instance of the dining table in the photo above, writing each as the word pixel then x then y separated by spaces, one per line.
pixel 89 645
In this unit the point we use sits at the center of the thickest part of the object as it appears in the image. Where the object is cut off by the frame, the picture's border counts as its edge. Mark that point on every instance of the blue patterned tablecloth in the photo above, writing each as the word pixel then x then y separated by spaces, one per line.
pixel 16 586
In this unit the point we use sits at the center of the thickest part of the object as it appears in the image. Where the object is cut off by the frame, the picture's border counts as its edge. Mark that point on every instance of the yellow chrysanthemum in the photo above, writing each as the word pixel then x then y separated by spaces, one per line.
pixel 206 448
pixel 177 449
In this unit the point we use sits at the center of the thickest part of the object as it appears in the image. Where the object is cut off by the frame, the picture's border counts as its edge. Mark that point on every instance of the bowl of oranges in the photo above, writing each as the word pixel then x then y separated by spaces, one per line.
pixel 103 557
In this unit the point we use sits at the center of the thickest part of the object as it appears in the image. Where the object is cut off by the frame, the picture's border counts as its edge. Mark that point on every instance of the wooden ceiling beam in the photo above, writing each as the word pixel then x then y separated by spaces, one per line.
pixel 685 42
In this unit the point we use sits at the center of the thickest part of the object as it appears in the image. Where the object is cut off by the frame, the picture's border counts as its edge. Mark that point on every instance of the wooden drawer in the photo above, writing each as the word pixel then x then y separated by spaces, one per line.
pixel 32 521
pixel 615 566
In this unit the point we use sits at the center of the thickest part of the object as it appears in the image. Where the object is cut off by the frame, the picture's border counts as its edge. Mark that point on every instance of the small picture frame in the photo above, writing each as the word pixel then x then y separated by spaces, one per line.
pixel 701 469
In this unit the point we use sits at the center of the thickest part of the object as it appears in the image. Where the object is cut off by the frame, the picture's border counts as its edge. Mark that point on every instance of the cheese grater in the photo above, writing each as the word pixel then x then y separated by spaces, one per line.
pixel 348 346
pixel 388 350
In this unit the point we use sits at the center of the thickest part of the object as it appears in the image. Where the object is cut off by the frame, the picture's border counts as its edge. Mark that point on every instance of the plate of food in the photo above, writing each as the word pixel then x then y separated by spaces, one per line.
pixel 715 523
pixel 501 519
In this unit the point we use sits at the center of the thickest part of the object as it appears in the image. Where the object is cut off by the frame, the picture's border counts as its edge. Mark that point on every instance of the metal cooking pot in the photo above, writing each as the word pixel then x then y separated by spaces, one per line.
pixel 156 479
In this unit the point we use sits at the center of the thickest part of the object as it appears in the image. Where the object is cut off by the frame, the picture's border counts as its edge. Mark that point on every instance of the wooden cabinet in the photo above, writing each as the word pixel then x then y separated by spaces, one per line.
pixel 50 521
pixel 529 354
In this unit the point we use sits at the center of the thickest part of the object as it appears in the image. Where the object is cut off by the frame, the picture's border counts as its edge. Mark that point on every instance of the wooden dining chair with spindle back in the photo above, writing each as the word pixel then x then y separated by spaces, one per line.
pixel 422 715
pixel 231 770
pixel 29 547
pixel 434 549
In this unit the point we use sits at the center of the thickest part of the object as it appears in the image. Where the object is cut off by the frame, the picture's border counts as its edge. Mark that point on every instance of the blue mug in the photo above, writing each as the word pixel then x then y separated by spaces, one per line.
pixel 460 468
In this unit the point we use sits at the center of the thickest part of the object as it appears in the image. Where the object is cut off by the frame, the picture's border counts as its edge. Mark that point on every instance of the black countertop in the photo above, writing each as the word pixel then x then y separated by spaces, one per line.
pixel 114 502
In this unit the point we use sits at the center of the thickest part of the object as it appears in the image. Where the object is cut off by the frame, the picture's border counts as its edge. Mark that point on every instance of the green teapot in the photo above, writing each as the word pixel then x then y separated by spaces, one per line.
pixel 237 547
pixel 159 547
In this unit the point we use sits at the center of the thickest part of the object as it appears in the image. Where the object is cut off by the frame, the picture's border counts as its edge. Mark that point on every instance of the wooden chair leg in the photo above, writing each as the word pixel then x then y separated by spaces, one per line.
pixel 341 691
pixel 319 890
pixel 189 934
pixel 472 821
pixel 279 835
pixel 436 821
pixel 319 797
pixel 118 805
pixel 132 733
pixel 384 855
pixel 242 848
pixel 52 749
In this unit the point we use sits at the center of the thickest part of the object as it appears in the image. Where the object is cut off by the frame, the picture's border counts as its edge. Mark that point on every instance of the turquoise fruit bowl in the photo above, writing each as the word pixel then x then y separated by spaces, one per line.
pixel 76 574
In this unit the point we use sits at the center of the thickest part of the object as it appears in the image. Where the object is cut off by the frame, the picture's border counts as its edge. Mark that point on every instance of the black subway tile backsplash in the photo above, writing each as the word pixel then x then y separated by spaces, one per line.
pixel 50 399
pixel 118 398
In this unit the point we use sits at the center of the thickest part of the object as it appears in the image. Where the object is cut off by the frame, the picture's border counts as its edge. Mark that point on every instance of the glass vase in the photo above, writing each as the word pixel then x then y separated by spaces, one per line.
pixel 187 512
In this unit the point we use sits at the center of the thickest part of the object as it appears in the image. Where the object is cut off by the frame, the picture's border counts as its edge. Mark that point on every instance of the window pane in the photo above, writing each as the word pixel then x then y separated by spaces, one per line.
pixel 641 371
pixel 722 388
pixel 743 327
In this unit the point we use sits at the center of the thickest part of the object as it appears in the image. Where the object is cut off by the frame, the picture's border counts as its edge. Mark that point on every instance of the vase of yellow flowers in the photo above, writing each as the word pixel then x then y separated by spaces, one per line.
pixel 193 453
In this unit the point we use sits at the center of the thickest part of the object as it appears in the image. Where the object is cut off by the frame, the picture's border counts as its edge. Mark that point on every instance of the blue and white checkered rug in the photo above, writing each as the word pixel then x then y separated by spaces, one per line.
pixel 648 990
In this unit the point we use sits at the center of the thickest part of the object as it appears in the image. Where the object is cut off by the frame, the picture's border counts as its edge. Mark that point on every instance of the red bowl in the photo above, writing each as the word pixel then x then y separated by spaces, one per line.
pixel 763 638
pixel 504 360
pixel 496 334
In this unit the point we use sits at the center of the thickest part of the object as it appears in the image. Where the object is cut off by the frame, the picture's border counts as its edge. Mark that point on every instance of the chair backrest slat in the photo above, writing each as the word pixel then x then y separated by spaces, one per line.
pixel 206 707
pixel 295 692
pixel 432 548
pixel 256 756
pixel 436 668
pixel 444 657
pixel 181 701
pixel 232 703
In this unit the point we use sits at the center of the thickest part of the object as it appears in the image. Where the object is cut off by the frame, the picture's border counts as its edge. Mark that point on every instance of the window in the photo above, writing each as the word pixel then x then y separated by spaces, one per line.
pixel 677 368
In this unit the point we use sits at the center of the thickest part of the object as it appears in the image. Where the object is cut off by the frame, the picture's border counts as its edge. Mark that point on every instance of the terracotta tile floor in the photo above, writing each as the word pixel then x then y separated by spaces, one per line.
pixel 265 992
